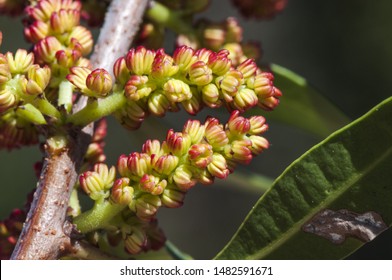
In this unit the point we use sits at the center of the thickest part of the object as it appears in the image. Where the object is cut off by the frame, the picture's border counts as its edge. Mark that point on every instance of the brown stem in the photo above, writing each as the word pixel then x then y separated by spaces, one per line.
pixel 46 233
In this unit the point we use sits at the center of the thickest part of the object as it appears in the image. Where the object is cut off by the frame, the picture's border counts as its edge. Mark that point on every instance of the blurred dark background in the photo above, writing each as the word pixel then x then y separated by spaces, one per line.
pixel 344 48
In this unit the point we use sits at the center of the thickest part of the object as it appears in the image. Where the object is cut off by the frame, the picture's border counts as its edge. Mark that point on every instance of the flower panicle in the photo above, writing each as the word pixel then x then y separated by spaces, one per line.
pixel 155 83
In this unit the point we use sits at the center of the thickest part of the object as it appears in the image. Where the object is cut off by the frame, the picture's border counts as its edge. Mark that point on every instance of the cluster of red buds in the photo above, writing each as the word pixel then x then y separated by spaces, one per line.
pixel 154 83
pixel 260 9
pixel 163 172
pixel 60 41
pixel 224 35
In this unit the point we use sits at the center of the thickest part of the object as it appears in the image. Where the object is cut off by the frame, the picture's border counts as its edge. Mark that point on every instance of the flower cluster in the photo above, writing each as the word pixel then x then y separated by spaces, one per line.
pixel 60 41
pixel 163 172
pixel 260 9
pixel 154 82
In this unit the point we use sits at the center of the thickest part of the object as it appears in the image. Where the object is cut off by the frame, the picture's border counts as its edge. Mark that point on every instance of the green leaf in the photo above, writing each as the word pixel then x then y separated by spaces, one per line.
pixel 350 170
pixel 302 106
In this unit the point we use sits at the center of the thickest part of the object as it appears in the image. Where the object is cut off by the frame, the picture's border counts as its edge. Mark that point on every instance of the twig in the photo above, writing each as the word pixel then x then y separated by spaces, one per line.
pixel 46 234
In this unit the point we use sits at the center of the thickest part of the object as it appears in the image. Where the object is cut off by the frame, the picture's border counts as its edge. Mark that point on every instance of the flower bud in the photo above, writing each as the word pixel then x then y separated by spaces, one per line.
pixel 233 30
pixel 219 62
pixel 152 147
pixel 237 124
pixel 262 84
pixel 70 56
pixel 99 82
pixel 204 177
pixel 257 125
pixel 38 79
pixel 78 76
pixel 36 31
pixel 184 57
pixel 7 100
pixel 146 206
pixel 20 62
pixel 177 143
pixel 200 155
pixel 200 74
pixel 64 20
pixel 259 144
pixel 214 134
pixel 5 74
pixel 210 96
pixel 193 105
pixel 139 61
pixel 244 99
pixel 218 166
pixel 230 83
pixel 45 50
pixel 214 36
pixel 248 68
pixel 121 71
pixel 136 241
pixel 138 164
pixel 172 197
pixel 177 90
pixel 121 192
pixel 165 164
pixel 203 54
pixel 183 178
pixel 84 38
pixel 132 115
pixel 152 184
pixel 136 87
pixel 195 130
pixel 96 183
pixel 239 151
pixel 158 104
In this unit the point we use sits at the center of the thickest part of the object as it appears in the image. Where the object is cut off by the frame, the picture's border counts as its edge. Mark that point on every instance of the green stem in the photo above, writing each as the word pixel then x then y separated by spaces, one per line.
pixel 42 104
pixel 169 18
pixel 98 109
pixel 65 95
pixel 98 217
pixel 74 204
pixel 30 114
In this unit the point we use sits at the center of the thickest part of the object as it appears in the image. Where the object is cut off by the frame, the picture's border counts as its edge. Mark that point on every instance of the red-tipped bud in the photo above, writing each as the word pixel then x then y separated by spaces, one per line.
pixel 84 38
pixel 214 36
pixel 233 30
pixel 146 206
pixel 259 144
pixel 121 71
pixel 137 88
pixel 257 125
pixel 139 61
pixel 203 55
pixel 183 177
pixel 195 130
pixel 172 197
pixel 163 65
pixel 230 83
pixel 237 124
pixel 37 31
pixel 210 96
pixel 38 79
pixel 215 134
pixel 121 192
pixel 152 147
pixel 152 184
pixel 20 62
pixel 136 241
pixel 165 164
pixel 193 105
pixel 138 164
pixel 184 57
pixel 200 155
pixel 99 82
pixel 177 143
pixel 244 99
pixel 248 68
pixel 158 104
pixel 8 100
pixel 45 50
pixel 64 20
pixel 200 74
pixel 262 84
pixel 218 166
pixel 177 90
pixel 239 151
pixel 219 62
